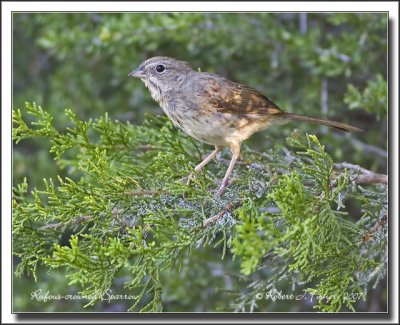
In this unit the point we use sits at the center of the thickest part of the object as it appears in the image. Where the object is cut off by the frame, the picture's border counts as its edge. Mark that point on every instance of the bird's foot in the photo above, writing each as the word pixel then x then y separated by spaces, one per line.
pixel 223 186
pixel 191 177
pixel 220 191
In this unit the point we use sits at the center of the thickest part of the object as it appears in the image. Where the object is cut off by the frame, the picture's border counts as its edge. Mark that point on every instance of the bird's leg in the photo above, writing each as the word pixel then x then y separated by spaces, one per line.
pixel 235 148
pixel 203 163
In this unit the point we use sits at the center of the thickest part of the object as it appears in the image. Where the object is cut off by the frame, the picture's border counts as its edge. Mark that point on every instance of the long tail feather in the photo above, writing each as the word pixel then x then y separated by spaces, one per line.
pixel 338 125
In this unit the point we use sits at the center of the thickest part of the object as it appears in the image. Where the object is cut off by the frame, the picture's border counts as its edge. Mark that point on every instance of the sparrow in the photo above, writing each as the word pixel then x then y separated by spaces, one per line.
pixel 213 109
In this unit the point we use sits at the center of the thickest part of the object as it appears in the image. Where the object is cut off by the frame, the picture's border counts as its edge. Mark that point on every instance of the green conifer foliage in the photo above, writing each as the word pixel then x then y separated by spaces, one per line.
pixel 125 209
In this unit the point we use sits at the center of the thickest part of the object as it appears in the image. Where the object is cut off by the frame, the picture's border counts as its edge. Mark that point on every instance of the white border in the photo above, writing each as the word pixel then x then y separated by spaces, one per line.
pixel 8 7
pixel 277 6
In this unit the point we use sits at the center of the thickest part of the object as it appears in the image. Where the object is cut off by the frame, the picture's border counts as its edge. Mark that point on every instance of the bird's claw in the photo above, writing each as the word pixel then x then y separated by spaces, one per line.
pixel 191 177
pixel 222 188
pixel 218 192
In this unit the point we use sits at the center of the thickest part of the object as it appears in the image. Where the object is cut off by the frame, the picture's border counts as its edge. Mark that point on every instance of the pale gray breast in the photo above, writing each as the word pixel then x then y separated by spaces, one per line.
pixel 190 111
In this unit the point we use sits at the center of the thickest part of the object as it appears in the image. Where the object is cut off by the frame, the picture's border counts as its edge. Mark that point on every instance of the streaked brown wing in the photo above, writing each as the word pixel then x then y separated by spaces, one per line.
pixel 230 97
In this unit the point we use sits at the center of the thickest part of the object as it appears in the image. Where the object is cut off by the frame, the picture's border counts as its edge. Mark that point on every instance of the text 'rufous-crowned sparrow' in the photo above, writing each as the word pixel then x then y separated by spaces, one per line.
pixel 212 109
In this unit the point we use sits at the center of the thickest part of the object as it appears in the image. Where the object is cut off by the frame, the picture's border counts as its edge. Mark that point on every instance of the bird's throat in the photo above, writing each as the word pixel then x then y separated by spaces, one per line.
pixel 155 90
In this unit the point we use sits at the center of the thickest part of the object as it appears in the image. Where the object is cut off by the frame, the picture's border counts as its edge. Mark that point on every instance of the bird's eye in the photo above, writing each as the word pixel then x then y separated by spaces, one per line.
pixel 160 68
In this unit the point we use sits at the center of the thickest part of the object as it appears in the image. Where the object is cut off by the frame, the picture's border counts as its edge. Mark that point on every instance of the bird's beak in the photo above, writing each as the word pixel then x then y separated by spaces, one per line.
pixel 137 73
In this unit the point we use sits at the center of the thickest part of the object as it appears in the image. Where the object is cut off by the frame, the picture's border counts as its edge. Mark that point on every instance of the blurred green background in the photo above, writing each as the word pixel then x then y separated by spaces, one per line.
pixel 322 64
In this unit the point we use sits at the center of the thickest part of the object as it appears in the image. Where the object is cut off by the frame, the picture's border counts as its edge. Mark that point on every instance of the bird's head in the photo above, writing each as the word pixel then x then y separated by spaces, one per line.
pixel 161 74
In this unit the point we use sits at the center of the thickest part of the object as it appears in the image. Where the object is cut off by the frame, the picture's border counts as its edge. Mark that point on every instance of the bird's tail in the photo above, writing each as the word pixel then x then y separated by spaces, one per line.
pixel 338 125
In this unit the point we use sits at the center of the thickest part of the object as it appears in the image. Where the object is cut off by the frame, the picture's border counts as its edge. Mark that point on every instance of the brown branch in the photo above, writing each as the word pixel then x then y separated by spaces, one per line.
pixel 370 234
pixel 74 221
pixel 371 179
pixel 364 176
pixel 219 215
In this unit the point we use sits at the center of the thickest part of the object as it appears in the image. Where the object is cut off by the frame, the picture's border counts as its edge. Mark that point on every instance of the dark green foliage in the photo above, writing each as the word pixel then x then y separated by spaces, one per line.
pixel 81 61
pixel 129 212
pixel 373 98
pixel 311 233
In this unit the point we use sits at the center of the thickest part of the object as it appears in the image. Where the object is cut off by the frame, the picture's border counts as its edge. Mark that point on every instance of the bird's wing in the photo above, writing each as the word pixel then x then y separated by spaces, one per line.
pixel 230 97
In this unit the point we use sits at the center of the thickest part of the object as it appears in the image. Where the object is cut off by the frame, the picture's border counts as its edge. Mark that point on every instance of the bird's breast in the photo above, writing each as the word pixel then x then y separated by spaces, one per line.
pixel 206 125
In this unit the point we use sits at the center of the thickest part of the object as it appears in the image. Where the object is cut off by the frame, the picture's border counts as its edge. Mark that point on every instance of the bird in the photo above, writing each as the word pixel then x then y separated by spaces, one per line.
pixel 213 109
